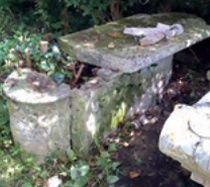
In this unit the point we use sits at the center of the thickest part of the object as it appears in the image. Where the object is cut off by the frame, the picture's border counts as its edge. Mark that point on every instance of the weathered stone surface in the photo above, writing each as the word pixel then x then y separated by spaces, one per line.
pixel 186 138
pixel 39 113
pixel 31 87
pixel 92 45
pixel 99 105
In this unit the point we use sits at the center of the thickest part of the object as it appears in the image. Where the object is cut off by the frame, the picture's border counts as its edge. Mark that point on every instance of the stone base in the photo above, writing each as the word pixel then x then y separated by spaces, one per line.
pixel 195 177
pixel 101 104
pixel 39 113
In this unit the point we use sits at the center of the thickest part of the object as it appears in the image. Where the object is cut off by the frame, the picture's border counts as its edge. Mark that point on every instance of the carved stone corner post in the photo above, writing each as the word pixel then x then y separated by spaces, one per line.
pixel 185 137
pixel 39 113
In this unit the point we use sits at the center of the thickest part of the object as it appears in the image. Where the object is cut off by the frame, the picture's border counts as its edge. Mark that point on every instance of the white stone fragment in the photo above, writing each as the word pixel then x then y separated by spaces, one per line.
pixel 54 181
pixel 185 137
pixel 152 35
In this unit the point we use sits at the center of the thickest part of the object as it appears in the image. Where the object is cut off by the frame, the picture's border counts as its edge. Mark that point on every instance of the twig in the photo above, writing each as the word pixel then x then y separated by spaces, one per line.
pixel 11 13
pixel 194 54
pixel 78 74
pixel 28 61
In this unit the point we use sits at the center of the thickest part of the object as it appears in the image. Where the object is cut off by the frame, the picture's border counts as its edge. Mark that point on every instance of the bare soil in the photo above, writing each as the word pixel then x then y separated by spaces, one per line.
pixel 143 165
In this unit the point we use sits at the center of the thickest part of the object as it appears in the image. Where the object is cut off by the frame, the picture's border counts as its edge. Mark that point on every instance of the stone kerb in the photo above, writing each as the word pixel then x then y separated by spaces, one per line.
pixel 185 137
pixel 39 113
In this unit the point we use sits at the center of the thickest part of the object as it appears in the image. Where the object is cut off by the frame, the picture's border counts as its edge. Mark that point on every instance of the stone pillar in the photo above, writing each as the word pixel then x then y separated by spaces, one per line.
pixel 185 137
pixel 39 113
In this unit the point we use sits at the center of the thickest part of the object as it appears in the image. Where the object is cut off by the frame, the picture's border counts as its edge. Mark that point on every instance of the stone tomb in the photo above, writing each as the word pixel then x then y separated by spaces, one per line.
pixel 130 76
pixel 128 80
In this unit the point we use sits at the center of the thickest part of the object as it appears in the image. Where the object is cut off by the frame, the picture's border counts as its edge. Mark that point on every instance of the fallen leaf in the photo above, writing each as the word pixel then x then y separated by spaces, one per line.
pixel 111 45
pixel 47 36
pixel 114 34
pixel 125 132
pixel 91 162
pixel 133 174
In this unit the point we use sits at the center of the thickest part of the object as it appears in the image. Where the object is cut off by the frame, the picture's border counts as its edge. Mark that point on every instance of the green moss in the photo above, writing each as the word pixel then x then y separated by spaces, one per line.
pixel 101 36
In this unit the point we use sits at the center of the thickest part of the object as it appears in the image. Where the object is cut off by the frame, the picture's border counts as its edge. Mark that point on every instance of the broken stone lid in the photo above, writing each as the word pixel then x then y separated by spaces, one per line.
pixel 106 46
pixel 185 137
pixel 28 86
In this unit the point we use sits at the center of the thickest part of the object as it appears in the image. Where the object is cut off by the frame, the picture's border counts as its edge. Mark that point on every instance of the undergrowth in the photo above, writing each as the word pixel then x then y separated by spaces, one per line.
pixel 19 169
pixel 22 46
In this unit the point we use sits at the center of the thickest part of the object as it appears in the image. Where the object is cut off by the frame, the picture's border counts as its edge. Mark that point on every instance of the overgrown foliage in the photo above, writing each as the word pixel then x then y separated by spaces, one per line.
pixel 19 169
pixel 71 15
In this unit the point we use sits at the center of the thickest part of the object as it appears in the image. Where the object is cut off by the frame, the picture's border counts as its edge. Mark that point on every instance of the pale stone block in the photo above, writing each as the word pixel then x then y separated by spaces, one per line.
pixel 91 45
pixel 39 113
pixel 185 137
pixel 100 104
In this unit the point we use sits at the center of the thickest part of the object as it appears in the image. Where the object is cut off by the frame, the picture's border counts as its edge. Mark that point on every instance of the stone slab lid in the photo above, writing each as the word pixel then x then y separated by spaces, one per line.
pixel 28 86
pixel 106 46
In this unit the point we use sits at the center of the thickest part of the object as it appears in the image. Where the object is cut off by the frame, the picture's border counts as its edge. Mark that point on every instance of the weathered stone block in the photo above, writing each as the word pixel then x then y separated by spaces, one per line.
pixel 39 113
pixel 186 138
pixel 99 105
pixel 92 45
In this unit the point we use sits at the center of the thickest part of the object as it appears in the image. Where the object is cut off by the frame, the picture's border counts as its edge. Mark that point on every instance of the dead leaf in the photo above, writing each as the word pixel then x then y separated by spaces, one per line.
pixel 114 34
pixel 111 45
pixel 102 149
pixel 113 154
pixel 47 36
pixel 125 132
pixel 92 163
pixel 133 174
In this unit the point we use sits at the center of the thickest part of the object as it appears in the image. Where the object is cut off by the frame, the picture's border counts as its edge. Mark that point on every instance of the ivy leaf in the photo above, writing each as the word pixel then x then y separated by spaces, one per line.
pixel 81 181
pixel 27 184
pixel 44 65
pixel 111 179
pixel 58 78
pixel 115 165
pixel 112 147
pixel 84 170
pixel 105 154
pixel 74 172
pixel 4 115
pixel 71 154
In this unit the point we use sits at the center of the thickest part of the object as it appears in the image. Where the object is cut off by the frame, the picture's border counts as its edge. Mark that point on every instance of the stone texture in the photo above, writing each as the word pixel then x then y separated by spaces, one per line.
pixel 92 45
pixel 39 113
pixel 128 81
pixel 186 138
pixel 100 104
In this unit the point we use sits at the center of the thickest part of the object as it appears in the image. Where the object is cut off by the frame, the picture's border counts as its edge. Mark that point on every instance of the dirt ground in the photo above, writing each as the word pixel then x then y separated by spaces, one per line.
pixel 143 165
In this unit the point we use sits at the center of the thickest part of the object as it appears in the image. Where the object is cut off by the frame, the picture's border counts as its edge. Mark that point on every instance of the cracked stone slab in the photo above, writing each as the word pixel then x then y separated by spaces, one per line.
pixel 185 137
pixel 126 55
